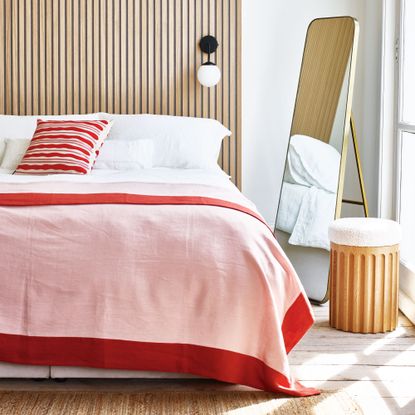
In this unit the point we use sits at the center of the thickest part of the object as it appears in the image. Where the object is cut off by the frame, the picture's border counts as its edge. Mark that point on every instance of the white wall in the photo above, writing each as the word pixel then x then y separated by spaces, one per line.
pixel 273 40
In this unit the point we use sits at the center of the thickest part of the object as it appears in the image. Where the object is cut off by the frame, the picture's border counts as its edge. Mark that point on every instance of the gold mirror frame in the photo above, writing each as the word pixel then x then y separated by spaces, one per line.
pixel 315 126
pixel 347 129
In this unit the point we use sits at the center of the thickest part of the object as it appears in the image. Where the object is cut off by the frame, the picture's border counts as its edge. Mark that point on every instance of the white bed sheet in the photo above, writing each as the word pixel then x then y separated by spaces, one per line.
pixel 154 175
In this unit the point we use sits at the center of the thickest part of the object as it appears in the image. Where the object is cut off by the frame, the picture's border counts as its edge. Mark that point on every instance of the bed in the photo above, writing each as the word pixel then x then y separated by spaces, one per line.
pixel 167 270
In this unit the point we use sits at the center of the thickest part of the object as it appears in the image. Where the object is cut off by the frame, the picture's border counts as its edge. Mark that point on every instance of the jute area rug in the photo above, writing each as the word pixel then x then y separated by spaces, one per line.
pixel 173 403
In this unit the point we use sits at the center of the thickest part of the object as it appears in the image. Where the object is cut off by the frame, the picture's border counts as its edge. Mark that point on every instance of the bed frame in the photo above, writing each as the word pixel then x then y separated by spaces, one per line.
pixel 10 370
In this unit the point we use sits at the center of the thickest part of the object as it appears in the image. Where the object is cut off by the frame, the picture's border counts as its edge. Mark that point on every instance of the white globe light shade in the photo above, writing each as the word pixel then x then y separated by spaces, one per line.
pixel 208 75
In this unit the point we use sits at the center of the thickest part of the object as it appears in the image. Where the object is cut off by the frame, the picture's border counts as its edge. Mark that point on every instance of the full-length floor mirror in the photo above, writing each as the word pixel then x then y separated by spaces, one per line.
pixel 312 188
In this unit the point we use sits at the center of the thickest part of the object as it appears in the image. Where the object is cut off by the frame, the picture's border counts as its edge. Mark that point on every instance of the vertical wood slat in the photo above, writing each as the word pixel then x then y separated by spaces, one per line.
pixel 83 56
pixel 62 66
pixel 151 59
pixel 67 50
pixel 96 48
pixel 21 56
pixel 130 56
pixel 76 65
pixel 43 93
pixel 136 48
pixel 122 56
pixel 123 78
pixel 158 50
pixel 54 58
pixel 171 58
pixel 164 64
pixel 185 57
pixel 28 66
pixel 116 55
pixel 176 52
pixel 191 56
pixel 14 33
pixel 8 59
pixel 144 56
pixel 34 78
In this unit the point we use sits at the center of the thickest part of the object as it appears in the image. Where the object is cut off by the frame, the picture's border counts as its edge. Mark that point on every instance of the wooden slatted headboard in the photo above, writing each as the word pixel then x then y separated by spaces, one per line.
pixel 122 56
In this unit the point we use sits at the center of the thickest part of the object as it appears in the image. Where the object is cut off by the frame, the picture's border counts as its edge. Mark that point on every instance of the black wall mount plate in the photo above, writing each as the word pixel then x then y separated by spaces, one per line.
pixel 208 44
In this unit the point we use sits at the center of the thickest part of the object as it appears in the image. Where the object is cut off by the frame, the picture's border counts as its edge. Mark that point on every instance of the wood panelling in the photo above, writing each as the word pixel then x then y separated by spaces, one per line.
pixel 122 56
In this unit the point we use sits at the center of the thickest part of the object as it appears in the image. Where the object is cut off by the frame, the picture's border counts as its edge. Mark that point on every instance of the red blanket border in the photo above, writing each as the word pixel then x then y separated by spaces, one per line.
pixel 213 363
pixel 45 199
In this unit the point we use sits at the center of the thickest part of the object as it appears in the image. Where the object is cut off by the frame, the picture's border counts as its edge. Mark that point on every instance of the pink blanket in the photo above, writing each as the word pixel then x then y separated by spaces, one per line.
pixel 165 277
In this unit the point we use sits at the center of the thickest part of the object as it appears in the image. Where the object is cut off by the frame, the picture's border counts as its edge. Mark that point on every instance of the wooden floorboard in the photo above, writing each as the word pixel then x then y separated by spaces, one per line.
pixel 377 370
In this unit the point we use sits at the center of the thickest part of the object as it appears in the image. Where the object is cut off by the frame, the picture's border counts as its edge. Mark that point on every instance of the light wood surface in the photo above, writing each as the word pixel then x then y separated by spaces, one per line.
pixel 129 56
pixel 325 62
pixel 376 370
pixel 364 285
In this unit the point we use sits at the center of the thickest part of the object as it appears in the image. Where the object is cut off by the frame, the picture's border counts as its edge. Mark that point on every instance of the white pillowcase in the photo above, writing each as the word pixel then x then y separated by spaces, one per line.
pixel 14 152
pixel 312 162
pixel 179 142
pixel 125 155
pixel 23 126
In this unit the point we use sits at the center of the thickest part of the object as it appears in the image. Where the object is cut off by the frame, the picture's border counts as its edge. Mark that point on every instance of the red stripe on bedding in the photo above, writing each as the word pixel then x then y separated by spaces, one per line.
pixel 210 362
pixel 78 136
pixel 45 199
pixel 294 322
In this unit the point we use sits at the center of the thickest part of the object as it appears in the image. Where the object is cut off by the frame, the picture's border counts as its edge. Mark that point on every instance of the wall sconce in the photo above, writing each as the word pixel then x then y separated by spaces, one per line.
pixel 208 74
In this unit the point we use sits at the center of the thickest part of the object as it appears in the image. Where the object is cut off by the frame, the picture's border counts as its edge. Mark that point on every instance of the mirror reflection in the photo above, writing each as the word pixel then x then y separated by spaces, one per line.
pixel 308 195
pixel 310 186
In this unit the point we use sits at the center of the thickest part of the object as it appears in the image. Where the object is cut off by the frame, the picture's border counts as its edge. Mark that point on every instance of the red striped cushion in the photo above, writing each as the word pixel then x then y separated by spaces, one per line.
pixel 64 147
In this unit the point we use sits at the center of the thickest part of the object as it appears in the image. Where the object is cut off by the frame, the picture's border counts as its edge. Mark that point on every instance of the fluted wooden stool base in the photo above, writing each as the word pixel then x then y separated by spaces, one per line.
pixel 364 288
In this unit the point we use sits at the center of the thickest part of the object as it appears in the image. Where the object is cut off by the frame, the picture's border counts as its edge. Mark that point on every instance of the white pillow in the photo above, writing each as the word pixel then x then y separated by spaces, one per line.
pixel 23 126
pixel 14 152
pixel 312 162
pixel 179 142
pixel 125 155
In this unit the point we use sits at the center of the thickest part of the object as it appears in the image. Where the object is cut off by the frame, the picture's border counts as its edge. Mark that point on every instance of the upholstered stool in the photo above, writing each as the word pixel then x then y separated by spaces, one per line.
pixel 364 274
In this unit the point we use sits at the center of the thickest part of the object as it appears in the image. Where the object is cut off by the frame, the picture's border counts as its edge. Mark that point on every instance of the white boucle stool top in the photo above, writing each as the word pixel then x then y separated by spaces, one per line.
pixel 365 232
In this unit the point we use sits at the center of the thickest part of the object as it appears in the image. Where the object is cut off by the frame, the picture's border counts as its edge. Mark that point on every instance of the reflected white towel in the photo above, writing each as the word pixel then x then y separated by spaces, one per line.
pixel 316 213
